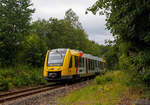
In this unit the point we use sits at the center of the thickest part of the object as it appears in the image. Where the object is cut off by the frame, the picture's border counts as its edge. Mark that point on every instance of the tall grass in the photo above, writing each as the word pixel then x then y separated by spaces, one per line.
pixel 107 89
pixel 20 76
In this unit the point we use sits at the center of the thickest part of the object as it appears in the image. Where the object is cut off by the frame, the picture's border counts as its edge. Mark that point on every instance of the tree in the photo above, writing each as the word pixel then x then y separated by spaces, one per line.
pixel 34 50
pixel 71 16
pixel 129 22
pixel 15 16
pixel 60 34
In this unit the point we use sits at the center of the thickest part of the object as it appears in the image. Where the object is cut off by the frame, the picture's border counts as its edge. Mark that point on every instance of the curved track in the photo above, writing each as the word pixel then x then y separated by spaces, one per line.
pixel 27 92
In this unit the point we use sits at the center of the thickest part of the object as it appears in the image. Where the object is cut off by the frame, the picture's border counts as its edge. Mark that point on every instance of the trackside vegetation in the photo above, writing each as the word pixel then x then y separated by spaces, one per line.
pixel 129 23
pixel 112 88
pixel 21 76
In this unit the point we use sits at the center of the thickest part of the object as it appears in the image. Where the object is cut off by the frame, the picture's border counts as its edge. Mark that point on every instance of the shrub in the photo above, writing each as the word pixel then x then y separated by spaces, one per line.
pixel 104 78
pixel 20 76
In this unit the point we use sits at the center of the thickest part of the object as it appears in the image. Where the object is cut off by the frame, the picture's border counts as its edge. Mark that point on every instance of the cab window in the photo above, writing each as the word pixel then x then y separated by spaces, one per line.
pixel 70 63
pixel 76 61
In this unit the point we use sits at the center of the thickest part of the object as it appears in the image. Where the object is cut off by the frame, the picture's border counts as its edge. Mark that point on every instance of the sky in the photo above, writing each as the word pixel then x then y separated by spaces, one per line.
pixel 94 25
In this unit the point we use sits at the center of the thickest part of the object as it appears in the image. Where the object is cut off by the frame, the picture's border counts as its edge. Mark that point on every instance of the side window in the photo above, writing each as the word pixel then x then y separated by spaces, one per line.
pixel 92 64
pixel 70 64
pixel 76 61
pixel 81 62
pixel 89 67
pixel 96 63
pixel 100 65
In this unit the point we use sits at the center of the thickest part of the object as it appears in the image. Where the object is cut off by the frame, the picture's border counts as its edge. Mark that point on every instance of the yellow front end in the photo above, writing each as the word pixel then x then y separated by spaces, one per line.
pixel 62 72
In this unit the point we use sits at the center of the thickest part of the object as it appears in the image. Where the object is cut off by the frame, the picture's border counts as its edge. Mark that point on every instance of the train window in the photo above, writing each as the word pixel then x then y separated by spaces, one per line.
pixel 95 63
pixel 92 64
pixel 100 65
pixel 81 62
pixel 55 58
pixel 70 64
pixel 89 67
pixel 76 61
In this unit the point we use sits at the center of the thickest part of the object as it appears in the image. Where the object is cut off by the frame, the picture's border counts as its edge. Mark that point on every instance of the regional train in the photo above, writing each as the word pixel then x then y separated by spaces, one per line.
pixel 68 64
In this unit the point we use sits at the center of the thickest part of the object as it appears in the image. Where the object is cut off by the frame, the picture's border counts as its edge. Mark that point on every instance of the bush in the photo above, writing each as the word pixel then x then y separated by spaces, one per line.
pixel 115 77
pixel 20 76
pixel 104 78
pixel 138 65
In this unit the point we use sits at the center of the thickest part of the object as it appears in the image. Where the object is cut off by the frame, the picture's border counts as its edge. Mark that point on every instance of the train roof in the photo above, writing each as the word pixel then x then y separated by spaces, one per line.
pixel 89 56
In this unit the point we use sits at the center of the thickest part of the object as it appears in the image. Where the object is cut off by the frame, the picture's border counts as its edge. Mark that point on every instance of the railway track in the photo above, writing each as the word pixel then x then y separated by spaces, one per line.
pixel 27 92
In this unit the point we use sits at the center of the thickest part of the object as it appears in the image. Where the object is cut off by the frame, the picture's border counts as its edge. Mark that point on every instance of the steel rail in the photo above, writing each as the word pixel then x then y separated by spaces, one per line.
pixel 27 92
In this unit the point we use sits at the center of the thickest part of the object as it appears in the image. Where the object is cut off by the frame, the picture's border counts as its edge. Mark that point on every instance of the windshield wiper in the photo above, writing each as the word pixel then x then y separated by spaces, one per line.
pixel 59 53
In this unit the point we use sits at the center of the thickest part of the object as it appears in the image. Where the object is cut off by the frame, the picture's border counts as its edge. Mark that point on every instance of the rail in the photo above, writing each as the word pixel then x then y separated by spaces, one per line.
pixel 27 92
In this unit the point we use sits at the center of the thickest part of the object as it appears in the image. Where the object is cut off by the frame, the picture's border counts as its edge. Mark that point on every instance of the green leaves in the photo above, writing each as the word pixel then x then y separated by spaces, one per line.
pixel 19 77
pixel 129 22
pixel 72 18
pixel 15 16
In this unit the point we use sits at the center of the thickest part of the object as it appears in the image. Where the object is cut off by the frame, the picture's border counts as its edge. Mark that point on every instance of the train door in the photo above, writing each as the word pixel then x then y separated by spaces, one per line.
pixel 81 66
pixel 70 65
pixel 73 67
pixel 72 70
pixel 86 64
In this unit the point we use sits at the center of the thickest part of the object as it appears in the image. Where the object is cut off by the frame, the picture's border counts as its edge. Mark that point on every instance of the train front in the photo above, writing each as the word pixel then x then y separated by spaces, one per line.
pixel 54 64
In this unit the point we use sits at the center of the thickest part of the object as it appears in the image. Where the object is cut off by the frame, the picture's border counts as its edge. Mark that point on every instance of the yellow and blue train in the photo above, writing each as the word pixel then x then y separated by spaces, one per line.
pixel 66 64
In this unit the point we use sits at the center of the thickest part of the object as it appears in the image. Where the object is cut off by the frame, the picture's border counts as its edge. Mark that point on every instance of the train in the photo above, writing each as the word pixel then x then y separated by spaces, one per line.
pixel 69 64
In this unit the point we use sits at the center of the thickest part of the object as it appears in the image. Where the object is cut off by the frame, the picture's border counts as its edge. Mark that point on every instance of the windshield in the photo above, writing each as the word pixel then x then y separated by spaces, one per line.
pixel 56 58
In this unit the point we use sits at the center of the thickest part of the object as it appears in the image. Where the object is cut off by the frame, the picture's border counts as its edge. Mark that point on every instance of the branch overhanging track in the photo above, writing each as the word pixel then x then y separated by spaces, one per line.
pixel 27 92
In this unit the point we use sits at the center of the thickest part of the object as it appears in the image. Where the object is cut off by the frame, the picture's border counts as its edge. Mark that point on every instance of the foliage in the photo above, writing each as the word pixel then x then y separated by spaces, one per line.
pixel 21 76
pixel 129 22
pixel 63 34
pixel 15 18
pixel 71 16
pixel 34 50
pixel 107 89
pixel 112 58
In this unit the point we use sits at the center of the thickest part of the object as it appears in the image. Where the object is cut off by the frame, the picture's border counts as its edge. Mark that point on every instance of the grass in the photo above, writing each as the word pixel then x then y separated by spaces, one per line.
pixel 21 76
pixel 108 89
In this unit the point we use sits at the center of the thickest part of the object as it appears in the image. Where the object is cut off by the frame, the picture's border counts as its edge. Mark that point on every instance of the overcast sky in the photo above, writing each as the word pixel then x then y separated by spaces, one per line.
pixel 93 25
